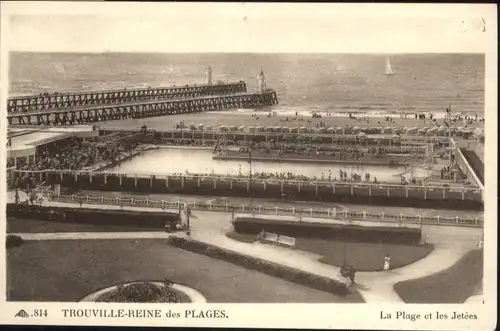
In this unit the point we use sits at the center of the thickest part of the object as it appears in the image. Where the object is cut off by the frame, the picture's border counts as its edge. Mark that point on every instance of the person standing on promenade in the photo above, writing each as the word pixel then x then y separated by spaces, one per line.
pixel 387 262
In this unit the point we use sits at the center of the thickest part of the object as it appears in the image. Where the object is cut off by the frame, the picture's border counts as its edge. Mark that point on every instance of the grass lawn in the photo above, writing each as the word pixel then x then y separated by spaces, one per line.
pixel 65 270
pixel 453 285
pixel 362 256
pixel 20 225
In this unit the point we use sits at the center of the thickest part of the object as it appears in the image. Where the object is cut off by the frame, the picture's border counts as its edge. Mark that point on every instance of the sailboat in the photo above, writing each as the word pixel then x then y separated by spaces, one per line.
pixel 388 68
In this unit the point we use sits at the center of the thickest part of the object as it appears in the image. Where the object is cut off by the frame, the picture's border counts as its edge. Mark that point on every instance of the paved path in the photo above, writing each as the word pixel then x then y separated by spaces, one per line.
pixel 92 235
pixel 451 243
pixel 450 246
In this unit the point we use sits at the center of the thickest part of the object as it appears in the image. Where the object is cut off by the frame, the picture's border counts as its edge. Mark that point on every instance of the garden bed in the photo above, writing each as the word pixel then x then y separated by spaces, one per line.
pixel 143 292
pixel 332 231
pixel 362 256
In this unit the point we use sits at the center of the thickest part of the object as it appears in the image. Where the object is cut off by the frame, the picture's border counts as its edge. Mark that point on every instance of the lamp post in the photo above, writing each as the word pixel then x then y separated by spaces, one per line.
pixel 250 172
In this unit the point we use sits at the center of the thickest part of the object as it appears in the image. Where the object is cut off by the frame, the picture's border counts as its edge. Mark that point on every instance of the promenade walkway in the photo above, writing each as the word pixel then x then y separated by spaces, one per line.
pixel 451 243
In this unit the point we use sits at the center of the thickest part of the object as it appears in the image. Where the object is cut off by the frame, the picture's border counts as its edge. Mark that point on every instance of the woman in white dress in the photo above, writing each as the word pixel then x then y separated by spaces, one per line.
pixel 387 262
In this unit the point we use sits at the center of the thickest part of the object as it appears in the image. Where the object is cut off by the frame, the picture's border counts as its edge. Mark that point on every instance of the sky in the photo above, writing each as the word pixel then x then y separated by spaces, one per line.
pixel 133 27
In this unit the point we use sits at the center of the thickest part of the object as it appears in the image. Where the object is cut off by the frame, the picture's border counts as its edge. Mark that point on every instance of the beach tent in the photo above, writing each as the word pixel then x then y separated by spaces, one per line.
pixel 397 130
pixel 405 129
pixel 356 129
pixel 269 129
pixel 200 126
pixel 421 131
pixel 285 129
pixel 233 128
pixel 251 129
pixel 242 128
pixel 331 130
pixel 322 130
pixel 302 129
pixel 387 129
pixel 294 130
pixel 339 130
pixel 277 128
pixel 192 127
pixel 259 129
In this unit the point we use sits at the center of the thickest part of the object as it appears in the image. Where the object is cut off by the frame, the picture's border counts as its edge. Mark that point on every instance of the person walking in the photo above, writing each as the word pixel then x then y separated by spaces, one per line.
pixel 387 262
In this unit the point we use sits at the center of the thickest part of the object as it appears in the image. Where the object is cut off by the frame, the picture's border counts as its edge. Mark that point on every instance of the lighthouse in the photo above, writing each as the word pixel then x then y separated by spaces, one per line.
pixel 262 81
pixel 209 75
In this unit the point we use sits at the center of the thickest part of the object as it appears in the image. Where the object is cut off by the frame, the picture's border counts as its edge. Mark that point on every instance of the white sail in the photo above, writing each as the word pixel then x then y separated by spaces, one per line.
pixel 388 67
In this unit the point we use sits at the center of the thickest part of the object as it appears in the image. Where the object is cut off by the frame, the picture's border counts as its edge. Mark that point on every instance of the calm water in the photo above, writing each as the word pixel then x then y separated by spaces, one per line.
pixel 326 82
pixel 167 161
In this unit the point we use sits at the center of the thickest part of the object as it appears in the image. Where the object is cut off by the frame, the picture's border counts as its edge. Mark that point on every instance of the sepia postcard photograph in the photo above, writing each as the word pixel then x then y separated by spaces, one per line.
pixel 249 165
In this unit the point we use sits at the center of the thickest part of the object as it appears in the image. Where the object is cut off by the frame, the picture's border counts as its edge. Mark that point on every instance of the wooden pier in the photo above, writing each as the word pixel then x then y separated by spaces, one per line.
pixel 59 101
pixel 142 109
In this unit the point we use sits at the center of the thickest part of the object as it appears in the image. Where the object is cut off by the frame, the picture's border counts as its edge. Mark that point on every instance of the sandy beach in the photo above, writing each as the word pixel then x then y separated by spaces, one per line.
pixel 245 118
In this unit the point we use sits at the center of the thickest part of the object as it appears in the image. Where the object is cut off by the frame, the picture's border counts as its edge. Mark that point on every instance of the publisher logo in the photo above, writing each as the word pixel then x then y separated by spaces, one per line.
pixel 22 313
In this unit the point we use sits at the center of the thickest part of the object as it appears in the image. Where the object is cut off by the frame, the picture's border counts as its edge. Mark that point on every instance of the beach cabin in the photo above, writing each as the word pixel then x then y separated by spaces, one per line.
pixel 361 137
pixel 294 130
pixel 441 131
pixel 269 129
pixel 241 128
pixel 387 129
pixel 303 129
pixel 233 128
pixel 413 130
pixel 479 134
pixel 223 128
pixel 396 139
pixel 277 129
pixel 251 129
pixel 201 126
pixel 347 130
pixel 339 130
pixel 356 130
pixel 321 130
pixel 192 127
pixel 397 130
pixel 432 131
pixel 259 129
pixel 317 139
pixel 421 132
pixel 285 129
pixel 330 130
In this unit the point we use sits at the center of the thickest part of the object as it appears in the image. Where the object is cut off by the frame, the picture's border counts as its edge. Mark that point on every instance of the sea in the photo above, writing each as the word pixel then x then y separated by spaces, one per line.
pixel 305 83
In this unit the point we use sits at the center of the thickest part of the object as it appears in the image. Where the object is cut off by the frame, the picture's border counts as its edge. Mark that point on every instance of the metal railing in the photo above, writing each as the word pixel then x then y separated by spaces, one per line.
pixel 326 213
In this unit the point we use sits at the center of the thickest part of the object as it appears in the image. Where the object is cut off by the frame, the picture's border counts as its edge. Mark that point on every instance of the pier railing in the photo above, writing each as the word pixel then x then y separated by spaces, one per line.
pixel 324 213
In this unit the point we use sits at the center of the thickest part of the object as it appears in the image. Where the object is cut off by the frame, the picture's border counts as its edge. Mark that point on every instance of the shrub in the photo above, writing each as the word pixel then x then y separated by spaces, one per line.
pixel 269 268
pixel 13 241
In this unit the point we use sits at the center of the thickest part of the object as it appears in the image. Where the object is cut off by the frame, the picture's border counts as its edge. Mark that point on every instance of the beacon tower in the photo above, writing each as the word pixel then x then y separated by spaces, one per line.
pixel 209 75
pixel 262 81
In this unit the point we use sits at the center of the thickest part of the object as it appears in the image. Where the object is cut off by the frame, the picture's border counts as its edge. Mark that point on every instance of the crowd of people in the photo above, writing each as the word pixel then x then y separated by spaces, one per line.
pixel 343 152
pixel 76 154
